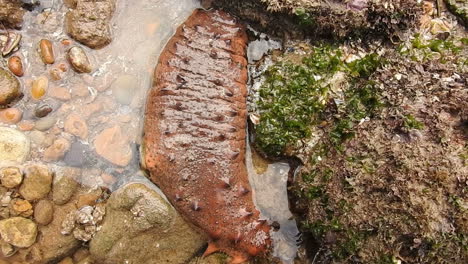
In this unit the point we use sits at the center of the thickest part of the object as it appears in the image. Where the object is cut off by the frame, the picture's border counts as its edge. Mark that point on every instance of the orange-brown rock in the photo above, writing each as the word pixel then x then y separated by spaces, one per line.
pixel 195 133
pixel 75 125
pixel 112 145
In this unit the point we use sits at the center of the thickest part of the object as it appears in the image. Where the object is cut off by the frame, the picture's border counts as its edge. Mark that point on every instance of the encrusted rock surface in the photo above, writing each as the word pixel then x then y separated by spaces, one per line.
pixel 333 18
pixel 89 22
pixel 140 226
pixel 18 231
pixel 11 13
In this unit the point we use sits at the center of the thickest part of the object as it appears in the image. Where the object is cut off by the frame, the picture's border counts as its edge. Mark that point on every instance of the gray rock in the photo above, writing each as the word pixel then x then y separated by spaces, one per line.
pixel 9 88
pixel 45 123
pixel 14 145
pixel 37 182
pixel 142 227
pixel 18 231
pixel 79 155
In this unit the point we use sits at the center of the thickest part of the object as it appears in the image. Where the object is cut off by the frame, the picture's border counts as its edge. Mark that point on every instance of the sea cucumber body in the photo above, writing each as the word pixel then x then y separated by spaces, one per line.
pixel 195 133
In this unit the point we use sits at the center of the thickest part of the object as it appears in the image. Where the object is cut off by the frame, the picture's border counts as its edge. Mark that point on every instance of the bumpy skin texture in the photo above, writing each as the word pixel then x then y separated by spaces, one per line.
pixel 195 138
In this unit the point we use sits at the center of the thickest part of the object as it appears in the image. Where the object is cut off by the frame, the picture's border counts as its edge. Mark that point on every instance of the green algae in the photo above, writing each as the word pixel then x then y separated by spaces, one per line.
pixel 294 96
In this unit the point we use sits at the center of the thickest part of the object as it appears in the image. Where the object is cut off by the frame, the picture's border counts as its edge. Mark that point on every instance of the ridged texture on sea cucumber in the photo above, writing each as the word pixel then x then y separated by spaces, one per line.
pixel 195 136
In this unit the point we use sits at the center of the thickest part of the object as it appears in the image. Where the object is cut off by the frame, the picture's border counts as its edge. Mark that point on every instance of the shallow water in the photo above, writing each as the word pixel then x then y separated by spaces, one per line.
pixel 140 30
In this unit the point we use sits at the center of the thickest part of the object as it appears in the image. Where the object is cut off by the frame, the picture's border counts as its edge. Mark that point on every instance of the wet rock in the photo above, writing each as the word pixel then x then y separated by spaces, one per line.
pixel 37 182
pixel 42 110
pixel 65 185
pixel 37 137
pixel 57 150
pixel 60 93
pixel 88 22
pixel 89 199
pixel 20 207
pixel 14 145
pixel 142 227
pixel 124 88
pixel 79 155
pixel 11 177
pixel 46 51
pixel 79 61
pixel 25 125
pixel 18 231
pixel 51 244
pixel 16 66
pixel 66 260
pixel 44 212
pixel 11 115
pixel 76 126
pixel 7 249
pixel 45 123
pixel 39 87
pixel 48 21
pixel 9 88
pixel 80 254
pixel 11 13
pixel 112 145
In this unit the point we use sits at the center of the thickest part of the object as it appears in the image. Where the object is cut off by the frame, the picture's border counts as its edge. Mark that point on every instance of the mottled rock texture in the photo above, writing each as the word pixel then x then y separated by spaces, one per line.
pixel 89 22
pixel 334 18
pixel 11 13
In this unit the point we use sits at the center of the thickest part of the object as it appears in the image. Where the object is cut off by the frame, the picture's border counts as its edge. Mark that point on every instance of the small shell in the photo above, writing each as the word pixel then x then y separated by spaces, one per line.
pixel 9 42
pixel 78 59
pixel 46 51
pixel 16 66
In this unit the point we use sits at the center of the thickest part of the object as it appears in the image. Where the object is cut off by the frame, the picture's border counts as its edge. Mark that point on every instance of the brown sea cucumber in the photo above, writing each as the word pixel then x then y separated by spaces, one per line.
pixel 195 133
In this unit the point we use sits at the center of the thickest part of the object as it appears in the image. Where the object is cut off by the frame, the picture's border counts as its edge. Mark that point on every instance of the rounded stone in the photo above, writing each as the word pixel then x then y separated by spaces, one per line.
pixel 37 182
pixel 79 60
pixel 65 186
pixel 18 231
pixel 45 123
pixel 42 110
pixel 112 144
pixel 9 87
pixel 124 88
pixel 11 177
pixel 44 212
pixel 14 145
pixel 137 216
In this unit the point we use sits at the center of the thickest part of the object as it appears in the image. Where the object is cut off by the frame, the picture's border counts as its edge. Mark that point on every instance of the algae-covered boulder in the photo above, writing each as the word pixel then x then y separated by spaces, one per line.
pixel 142 227
pixel 334 18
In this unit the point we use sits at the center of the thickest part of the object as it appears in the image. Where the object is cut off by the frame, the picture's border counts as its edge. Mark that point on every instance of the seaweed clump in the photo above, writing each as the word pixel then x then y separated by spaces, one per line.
pixel 293 98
